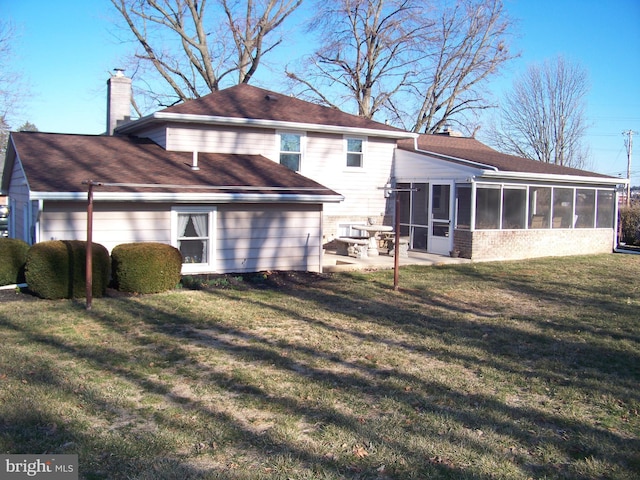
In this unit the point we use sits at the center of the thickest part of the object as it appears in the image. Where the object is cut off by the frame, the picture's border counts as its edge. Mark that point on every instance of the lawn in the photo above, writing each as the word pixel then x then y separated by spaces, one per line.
pixel 511 370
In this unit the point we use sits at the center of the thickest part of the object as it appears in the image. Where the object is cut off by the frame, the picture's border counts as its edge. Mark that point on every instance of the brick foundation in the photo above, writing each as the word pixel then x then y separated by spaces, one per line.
pixel 520 244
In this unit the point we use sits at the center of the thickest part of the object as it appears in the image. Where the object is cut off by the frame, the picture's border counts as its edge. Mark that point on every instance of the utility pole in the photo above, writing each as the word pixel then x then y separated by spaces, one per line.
pixel 628 141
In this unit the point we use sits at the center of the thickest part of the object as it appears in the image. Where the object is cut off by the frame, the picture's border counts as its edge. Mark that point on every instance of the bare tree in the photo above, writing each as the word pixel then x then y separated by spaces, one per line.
pixel 195 47
pixel 468 47
pixel 543 116
pixel 12 86
pixel 369 50
pixel 422 63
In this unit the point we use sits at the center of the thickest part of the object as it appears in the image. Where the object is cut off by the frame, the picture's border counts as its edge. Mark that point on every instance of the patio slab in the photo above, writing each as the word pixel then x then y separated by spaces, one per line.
pixel 332 262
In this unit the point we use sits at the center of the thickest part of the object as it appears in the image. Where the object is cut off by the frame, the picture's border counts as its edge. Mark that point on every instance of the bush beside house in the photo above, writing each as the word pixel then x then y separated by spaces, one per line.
pixel 57 269
pixel 146 267
pixel 13 255
pixel 630 224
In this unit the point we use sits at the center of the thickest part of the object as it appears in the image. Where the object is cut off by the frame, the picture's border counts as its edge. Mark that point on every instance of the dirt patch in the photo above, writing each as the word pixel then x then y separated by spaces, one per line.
pixel 260 280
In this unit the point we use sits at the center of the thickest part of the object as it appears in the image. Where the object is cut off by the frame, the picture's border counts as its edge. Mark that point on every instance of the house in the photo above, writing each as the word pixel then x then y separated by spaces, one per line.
pixel 236 179
pixel 464 197
pixel 246 179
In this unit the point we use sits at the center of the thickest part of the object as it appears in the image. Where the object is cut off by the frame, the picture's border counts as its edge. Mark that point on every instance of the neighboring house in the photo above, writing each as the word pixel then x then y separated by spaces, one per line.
pixel 482 204
pixel 245 179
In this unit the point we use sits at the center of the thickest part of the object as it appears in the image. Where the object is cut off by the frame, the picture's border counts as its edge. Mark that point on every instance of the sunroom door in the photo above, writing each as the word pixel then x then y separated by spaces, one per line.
pixel 440 239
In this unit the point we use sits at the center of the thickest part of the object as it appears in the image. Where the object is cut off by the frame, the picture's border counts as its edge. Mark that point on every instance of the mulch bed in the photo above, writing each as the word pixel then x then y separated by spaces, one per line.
pixel 279 280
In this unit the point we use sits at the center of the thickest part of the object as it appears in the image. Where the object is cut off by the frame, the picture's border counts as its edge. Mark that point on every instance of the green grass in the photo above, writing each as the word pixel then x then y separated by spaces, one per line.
pixel 512 370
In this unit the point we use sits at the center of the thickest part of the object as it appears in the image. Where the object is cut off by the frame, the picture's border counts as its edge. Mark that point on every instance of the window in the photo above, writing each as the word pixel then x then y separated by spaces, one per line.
pixel 539 207
pixel 355 152
pixel 514 200
pixel 585 208
pixel 562 208
pixel 463 206
pixel 606 207
pixel 291 150
pixel 192 232
pixel 488 207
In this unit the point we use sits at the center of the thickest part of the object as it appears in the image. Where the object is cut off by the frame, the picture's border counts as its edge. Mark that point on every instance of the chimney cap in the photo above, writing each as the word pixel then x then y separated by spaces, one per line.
pixel 119 72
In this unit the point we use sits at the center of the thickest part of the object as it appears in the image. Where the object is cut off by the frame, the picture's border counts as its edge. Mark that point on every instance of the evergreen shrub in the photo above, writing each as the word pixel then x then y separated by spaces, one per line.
pixel 13 255
pixel 57 269
pixel 630 224
pixel 145 267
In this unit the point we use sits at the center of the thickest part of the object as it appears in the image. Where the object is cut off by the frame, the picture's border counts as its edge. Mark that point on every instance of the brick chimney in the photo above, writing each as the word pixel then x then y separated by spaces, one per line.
pixel 118 100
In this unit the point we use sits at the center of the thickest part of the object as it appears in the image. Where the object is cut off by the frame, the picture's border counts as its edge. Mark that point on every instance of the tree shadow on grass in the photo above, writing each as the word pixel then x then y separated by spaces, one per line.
pixel 178 340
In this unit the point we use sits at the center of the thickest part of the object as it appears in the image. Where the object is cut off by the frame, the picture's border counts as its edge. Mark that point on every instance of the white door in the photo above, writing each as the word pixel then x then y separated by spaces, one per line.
pixel 440 239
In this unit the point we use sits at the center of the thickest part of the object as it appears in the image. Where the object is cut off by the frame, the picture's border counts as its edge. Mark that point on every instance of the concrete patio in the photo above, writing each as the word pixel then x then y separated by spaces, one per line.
pixel 332 262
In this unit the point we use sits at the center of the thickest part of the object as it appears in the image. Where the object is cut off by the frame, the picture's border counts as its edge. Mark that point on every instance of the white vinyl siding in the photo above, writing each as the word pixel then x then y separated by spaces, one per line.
pixel 157 134
pixel 247 141
pixel 269 237
pixel 113 224
pixel 19 216
pixel 244 238
pixel 326 164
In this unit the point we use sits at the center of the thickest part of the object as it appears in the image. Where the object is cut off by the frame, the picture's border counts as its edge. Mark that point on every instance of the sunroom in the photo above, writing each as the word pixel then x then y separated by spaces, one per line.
pixel 455 206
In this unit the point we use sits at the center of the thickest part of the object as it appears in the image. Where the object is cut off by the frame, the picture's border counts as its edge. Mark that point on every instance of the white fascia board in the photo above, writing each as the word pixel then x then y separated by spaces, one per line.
pixel 187 197
pixel 471 163
pixel 259 123
pixel 550 177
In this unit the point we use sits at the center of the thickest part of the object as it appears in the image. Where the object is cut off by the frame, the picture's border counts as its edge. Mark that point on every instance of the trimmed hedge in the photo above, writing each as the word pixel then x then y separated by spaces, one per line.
pixel 146 267
pixel 57 269
pixel 13 255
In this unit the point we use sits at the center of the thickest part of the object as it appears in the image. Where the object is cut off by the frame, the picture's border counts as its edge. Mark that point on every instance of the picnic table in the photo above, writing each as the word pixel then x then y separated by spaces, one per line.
pixel 372 232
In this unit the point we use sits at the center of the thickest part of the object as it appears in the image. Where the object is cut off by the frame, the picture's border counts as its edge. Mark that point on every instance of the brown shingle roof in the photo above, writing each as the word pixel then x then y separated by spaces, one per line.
pixel 471 149
pixel 247 101
pixel 61 162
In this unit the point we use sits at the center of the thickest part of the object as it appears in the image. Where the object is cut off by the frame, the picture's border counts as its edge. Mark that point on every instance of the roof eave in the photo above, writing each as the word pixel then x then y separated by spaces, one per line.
pixel 158 117
pixel 552 177
pixel 170 197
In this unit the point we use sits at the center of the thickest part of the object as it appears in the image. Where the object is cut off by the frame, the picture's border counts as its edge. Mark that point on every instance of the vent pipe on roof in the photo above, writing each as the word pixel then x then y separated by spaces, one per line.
pixel 194 164
pixel 118 100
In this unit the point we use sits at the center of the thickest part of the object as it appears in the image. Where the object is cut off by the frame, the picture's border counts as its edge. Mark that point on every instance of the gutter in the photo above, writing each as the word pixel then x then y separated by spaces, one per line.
pixel 457 159
pixel 164 117
pixel 191 197
pixel 552 177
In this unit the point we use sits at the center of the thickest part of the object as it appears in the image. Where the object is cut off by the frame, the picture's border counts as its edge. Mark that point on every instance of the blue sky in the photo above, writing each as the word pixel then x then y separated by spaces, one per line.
pixel 66 50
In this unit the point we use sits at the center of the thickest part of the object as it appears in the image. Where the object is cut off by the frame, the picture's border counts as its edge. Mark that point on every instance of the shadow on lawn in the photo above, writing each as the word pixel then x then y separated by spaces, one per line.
pixel 418 314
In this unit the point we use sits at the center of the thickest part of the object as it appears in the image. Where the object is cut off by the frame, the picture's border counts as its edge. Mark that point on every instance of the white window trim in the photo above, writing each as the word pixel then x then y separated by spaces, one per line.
pixel 303 145
pixel 213 213
pixel 345 152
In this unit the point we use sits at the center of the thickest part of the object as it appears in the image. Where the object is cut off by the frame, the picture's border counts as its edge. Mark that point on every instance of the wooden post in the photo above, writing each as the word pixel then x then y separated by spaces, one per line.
pixel 396 244
pixel 89 265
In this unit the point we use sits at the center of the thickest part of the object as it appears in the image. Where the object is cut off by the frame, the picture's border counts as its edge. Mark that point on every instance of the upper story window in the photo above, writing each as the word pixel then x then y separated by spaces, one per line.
pixel 355 152
pixel 291 145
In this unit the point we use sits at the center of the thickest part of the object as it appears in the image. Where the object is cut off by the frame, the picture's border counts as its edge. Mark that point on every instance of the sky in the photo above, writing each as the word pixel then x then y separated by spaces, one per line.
pixel 66 50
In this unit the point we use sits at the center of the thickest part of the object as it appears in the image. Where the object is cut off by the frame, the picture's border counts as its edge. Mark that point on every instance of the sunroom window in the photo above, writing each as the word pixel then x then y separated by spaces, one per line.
pixel 585 208
pixel 563 216
pixel 488 207
pixel 514 200
pixel 539 207
pixel 605 209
